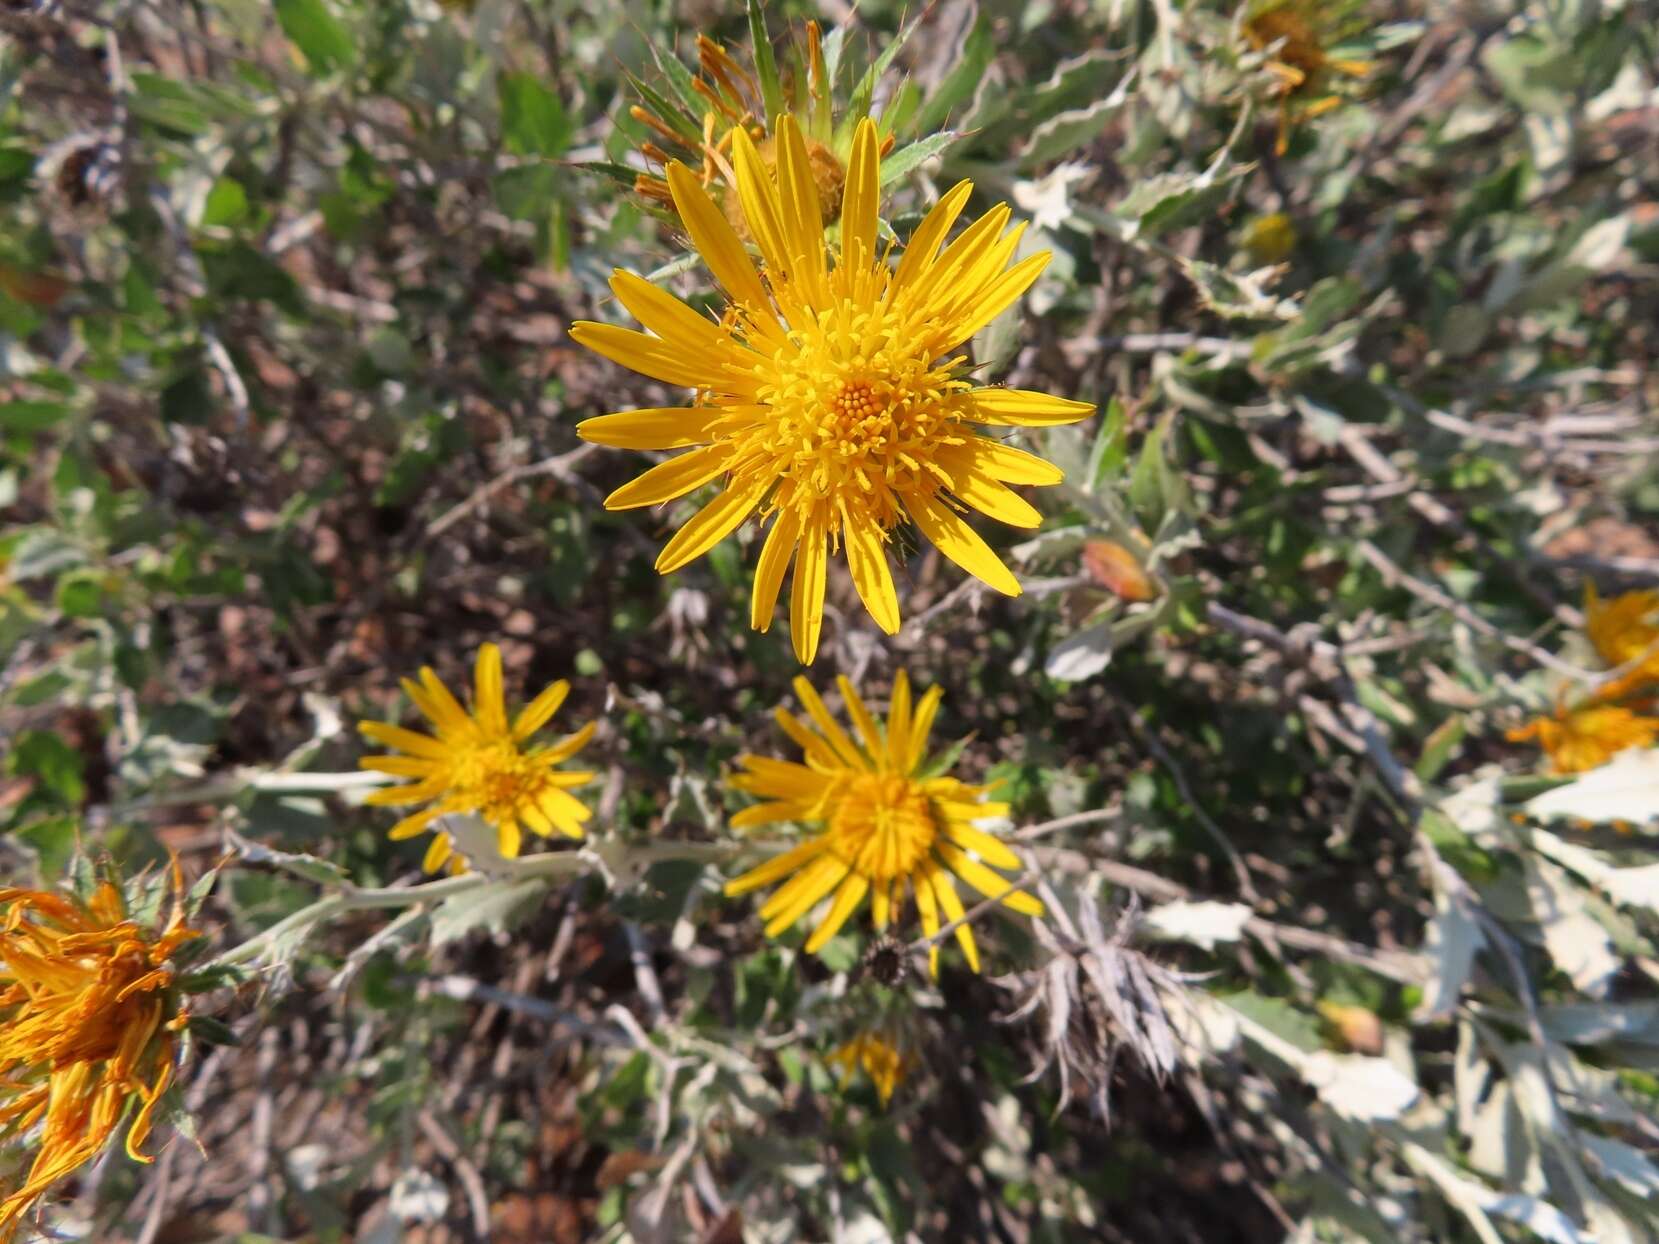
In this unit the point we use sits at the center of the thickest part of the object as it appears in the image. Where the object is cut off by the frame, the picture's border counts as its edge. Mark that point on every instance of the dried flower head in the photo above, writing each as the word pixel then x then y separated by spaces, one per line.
pixel 1098 996
pixel 88 1016
pixel 1298 38
pixel 829 395
pixel 693 118
pixel 888 829
pixel 479 762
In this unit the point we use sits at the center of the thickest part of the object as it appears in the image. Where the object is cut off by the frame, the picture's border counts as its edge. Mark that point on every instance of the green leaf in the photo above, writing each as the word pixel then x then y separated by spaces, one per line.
pixel 227 203
pixel 30 415
pixel 60 768
pixel 909 158
pixel 766 65
pixel 961 82
pixel 318 35
pixel 1111 446
pixel 533 121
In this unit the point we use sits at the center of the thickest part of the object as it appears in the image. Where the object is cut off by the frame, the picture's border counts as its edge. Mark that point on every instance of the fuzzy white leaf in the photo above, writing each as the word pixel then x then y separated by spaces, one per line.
pixel 1203 924
pixel 1359 1087
pixel 1624 789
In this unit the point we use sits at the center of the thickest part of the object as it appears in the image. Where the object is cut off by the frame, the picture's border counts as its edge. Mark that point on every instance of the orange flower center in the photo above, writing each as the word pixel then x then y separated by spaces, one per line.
pixel 882 826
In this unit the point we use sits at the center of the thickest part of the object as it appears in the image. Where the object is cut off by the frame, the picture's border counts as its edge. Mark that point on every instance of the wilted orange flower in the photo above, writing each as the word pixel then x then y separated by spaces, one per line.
pixel 88 1014
pixel 1624 630
pixel 729 96
pixel 880 1059
pixel 1298 36
pixel 1587 737
pixel 480 763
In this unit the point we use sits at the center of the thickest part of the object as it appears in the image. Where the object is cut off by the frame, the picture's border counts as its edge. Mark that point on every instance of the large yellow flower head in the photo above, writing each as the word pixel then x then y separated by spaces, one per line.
pixel 887 829
pixel 828 396
pixel 481 763
pixel 88 1013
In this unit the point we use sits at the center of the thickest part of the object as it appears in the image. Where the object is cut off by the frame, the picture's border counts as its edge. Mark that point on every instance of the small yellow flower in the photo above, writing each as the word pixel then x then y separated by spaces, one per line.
pixel 881 1060
pixel 832 397
pixel 1624 630
pixel 1297 35
pixel 1587 737
pixel 1269 239
pixel 480 763
pixel 87 1021
pixel 887 829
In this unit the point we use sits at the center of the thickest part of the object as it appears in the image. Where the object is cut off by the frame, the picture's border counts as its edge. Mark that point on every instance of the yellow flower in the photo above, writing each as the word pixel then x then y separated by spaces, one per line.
pixel 880 1059
pixel 887 828
pixel 829 396
pixel 480 763
pixel 729 97
pixel 1269 239
pixel 1587 737
pixel 87 1017
pixel 1624 630
pixel 1297 36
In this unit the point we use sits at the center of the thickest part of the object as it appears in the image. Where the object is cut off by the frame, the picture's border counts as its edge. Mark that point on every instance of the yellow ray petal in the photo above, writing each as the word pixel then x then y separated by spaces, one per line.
pixel 671 427
pixel 1024 408
pixel 1010 465
pixel 759 199
pixel 489 702
pixel 409 826
pixel 402 766
pixel 437 852
pixel 775 813
pixel 831 730
pixel 536 714
pixel 712 524
pixel 945 890
pixel 670 319
pixel 991 850
pixel 921 726
pixel 509 838
pixel 775 868
pixel 774 560
pixel 898 724
pixel 991 497
pixel 803 215
pixel 650 356
pixel 868 731
pixel 718 242
pixel 867 560
pixel 847 899
pixel 928 910
pixel 671 479
pixel 403 740
pixel 806 601
pixel 924 242
pixel 959 542
pixel 988 883
pixel 805 892
pixel 438 703
pixel 568 746
pixel 818 751
pixel 860 199
pixel 997 296
pixel 959 256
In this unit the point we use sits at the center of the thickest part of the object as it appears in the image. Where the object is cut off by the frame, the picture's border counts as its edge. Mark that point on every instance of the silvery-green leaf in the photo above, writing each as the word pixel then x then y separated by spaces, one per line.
pixel 1201 923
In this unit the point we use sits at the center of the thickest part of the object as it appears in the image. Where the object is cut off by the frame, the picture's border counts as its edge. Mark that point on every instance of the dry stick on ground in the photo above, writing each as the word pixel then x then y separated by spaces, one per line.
pixel 471 1180
pixel 561 467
